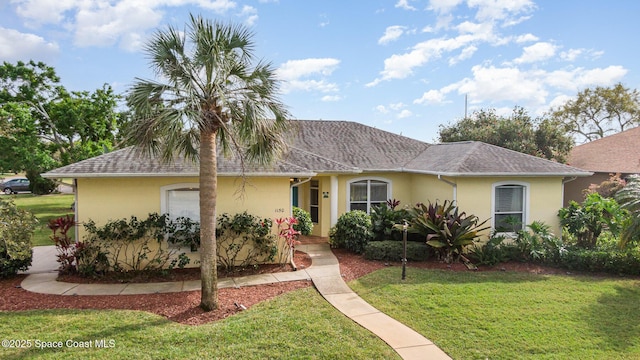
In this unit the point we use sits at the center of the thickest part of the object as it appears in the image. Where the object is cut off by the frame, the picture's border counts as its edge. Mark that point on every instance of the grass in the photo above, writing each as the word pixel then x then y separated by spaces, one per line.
pixel 300 325
pixel 497 315
pixel 45 208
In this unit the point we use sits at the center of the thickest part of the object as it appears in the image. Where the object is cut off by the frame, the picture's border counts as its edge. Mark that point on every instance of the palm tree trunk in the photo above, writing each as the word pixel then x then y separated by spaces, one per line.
pixel 208 199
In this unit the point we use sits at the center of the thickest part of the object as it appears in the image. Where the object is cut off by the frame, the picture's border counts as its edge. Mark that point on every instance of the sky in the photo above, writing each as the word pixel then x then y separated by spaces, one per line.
pixel 404 66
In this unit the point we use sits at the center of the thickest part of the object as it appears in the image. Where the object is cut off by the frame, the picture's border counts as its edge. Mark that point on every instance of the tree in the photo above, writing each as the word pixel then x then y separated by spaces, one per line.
pixel 44 125
pixel 211 95
pixel 600 111
pixel 544 138
pixel 629 199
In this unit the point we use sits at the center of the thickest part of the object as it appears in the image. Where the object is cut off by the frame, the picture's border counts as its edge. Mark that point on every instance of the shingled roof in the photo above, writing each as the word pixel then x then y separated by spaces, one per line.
pixel 336 147
pixel 618 153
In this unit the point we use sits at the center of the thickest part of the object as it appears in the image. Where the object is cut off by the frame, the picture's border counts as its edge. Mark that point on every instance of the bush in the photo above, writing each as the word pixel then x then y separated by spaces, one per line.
pixel 445 228
pixel 304 225
pixel 16 229
pixel 384 219
pixel 352 231
pixel 586 221
pixel 390 250
pixel 243 239
pixel 128 244
pixel 622 262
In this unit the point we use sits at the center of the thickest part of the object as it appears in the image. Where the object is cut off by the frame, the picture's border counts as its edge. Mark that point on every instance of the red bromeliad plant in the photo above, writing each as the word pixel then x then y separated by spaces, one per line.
pixel 65 245
pixel 290 236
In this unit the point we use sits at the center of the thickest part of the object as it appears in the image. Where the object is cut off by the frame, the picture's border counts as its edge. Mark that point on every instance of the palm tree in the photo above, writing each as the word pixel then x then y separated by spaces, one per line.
pixel 210 94
pixel 629 198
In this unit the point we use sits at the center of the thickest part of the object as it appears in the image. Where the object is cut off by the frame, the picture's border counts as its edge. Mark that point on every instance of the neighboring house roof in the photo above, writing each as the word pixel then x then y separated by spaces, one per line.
pixel 335 147
pixel 618 153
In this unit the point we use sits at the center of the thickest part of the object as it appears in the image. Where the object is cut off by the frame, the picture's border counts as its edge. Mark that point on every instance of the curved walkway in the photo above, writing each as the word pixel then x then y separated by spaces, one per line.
pixel 326 277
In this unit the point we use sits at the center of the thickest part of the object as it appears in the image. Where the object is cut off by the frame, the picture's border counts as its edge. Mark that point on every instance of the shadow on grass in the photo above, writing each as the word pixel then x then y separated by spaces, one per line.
pixel 107 332
pixel 615 317
pixel 393 275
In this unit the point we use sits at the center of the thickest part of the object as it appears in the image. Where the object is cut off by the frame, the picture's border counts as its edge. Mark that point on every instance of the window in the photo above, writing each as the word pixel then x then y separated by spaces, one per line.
pixel 509 207
pixel 314 203
pixel 364 194
pixel 181 200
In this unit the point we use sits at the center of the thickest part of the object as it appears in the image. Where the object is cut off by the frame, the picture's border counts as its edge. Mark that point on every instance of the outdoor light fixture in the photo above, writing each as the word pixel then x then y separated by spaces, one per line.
pixel 404 250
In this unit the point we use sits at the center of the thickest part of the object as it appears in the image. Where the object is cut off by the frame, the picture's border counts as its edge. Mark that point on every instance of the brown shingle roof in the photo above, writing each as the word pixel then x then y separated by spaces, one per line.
pixel 339 147
pixel 618 153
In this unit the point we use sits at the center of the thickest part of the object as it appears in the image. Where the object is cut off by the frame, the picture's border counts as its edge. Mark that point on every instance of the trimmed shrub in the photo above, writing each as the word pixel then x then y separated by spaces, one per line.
pixel 304 225
pixel 16 229
pixel 624 262
pixel 352 231
pixel 244 239
pixel 390 250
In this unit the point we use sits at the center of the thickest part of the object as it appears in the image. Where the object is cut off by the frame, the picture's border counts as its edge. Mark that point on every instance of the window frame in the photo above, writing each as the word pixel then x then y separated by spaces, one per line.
pixel 164 194
pixel 388 182
pixel 525 202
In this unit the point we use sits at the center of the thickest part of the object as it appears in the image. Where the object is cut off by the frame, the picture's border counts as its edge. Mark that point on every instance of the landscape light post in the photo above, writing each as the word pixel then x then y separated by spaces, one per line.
pixel 404 250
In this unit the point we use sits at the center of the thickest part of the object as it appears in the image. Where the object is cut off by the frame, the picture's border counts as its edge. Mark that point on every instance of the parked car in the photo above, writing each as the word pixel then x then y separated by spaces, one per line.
pixel 14 185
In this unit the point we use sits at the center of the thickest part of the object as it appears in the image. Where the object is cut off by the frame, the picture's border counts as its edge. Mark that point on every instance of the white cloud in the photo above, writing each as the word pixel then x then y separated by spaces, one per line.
pixel 508 10
pixel 401 66
pixel 382 109
pixel 526 38
pixel 250 14
pixel 537 52
pixel 331 98
pixel 465 54
pixel 392 33
pixel 45 12
pixel 15 46
pixel 404 114
pixel 571 54
pixel 443 6
pixel 431 97
pixel 105 23
pixel 296 74
pixel 404 4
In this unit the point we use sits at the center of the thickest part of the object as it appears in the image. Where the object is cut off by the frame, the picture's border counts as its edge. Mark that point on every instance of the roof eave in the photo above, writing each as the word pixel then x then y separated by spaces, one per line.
pixel 496 174
pixel 51 175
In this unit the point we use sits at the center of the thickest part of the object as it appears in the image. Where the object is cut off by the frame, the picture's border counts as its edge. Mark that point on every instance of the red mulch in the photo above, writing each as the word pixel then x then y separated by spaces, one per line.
pixel 184 307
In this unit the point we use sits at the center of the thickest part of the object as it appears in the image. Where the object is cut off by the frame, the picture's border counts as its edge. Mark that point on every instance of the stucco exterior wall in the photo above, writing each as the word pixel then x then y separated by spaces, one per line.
pixel 104 199
pixel 474 196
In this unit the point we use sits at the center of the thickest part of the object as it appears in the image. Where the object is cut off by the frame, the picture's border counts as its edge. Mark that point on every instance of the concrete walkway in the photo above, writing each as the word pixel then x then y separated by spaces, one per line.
pixel 324 272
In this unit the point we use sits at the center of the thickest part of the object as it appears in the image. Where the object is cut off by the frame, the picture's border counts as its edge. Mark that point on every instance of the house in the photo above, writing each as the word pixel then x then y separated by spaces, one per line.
pixel 331 167
pixel 614 154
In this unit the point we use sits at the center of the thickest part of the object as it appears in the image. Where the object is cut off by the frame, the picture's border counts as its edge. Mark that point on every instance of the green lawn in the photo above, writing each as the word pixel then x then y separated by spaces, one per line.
pixel 45 208
pixel 297 325
pixel 508 315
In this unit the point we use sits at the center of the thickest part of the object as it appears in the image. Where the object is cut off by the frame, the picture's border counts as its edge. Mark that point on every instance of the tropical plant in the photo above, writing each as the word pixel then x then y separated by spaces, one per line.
pixel 303 224
pixel 289 235
pixel 384 219
pixel 629 199
pixel 213 93
pixel 445 228
pixel 16 229
pixel 538 243
pixel 65 245
pixel 352 231
pixel 586 221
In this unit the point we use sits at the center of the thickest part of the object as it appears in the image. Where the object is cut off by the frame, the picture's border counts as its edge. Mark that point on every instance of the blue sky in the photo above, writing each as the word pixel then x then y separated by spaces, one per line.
pixel 404 66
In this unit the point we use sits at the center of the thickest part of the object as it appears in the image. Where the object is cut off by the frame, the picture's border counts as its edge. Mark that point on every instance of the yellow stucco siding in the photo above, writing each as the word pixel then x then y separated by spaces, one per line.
pixel 104 199
pixel 474 196
pixel 425 188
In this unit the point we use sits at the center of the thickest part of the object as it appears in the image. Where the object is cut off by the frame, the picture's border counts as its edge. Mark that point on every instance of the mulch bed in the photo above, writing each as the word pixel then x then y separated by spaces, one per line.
pixel 184 307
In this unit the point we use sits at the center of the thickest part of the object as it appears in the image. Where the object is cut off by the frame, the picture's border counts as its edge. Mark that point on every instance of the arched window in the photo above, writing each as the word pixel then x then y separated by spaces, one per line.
pixel 362 194
pixel 510 206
